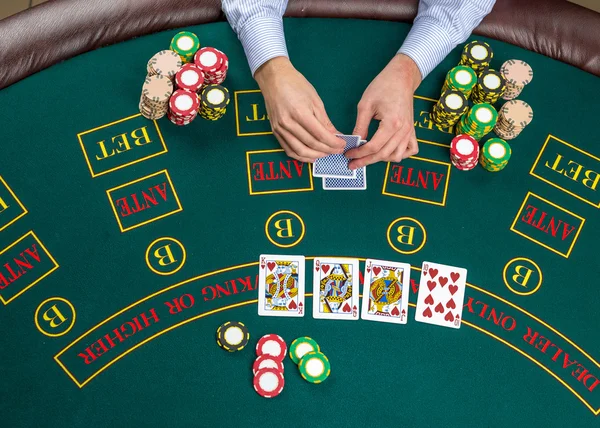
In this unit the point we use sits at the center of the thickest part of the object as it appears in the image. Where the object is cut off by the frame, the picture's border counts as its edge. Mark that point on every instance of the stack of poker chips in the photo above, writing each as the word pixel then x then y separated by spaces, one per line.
pixel 268 367
pixel 233 336
pixel 154 101
pixel 477 55
pixel 513 117
pixel 479 121
pixel 213 63
pixel 190 78
pixel 183 107
pixel 166 63
pixel 185 44
pixel 517 74
pixel 489 88
pixel 213 102
pixel 314 366
pixel 464 152
pixel 449 108
pixel 495 154
pixel 460 78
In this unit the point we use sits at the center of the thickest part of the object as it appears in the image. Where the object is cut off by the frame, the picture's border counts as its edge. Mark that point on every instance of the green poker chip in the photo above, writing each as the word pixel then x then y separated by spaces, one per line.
pixel 314 367
pixel 302 346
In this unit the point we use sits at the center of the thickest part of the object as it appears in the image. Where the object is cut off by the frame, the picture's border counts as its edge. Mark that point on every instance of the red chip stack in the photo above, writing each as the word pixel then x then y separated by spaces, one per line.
pixel 464 152
pixel 213 63
pixel 190 78
pixel 183 107
pixel 271 350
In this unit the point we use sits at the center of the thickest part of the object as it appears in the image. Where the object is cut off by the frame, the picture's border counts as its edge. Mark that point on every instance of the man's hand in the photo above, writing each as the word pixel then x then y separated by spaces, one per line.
pixel 389 99
pixel 296 112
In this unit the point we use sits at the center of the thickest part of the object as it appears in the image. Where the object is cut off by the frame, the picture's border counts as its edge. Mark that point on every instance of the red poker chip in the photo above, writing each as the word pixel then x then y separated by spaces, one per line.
pixel 208 59
pixel 266 361
pixel 464 146
pixel 273 345
pixel 268 383
pixel 190 77
pixel 183 102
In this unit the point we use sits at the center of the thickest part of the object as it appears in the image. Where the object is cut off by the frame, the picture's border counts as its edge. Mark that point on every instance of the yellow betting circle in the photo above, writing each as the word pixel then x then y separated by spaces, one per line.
pixel 37 311
pixel 183 259
pixel 297 241
pixel 520 293
pixel 389 229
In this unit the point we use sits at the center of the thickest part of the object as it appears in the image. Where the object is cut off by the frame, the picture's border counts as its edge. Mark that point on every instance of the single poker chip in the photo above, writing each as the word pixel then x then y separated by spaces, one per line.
pixel 302 346
pixel 268 383
pixel 314 367
pixel 273 345
pixel 233 336
pixel 214 97
pixel 266 361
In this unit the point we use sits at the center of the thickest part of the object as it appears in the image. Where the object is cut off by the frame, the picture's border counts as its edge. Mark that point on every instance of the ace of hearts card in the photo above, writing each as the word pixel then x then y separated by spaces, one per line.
pixel 441 295
pixel 281 286
pixel 335 288
pixel 386 291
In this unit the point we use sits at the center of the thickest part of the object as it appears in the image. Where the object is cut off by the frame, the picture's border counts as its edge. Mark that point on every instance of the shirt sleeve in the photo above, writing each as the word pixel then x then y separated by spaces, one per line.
pixel 439 27
pixel 259 26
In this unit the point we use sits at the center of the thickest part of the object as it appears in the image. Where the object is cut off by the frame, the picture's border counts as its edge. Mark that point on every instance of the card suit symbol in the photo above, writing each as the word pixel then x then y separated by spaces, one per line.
pixel 433 272
pixel 376 270
pixel 439 308
pixel 292 305
pixel 443 280
pixel 431 285
pixel 450 304
pixel 454 276
pixel 346 308
pixel 325 268
pixel 453 288
pixel 395 311
pixel 427 312
pixel 449 317
pixel 429 300
pixel 271 265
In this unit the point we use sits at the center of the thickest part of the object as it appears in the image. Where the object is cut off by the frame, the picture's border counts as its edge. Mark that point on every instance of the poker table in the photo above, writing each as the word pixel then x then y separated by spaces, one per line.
pixel 125 242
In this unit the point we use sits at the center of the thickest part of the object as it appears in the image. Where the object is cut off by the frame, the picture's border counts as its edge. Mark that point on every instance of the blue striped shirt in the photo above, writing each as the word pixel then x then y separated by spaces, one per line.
pixel 440 25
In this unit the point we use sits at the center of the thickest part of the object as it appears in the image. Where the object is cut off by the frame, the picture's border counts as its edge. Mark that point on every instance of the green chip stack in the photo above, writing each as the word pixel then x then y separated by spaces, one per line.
pixel 213 102
pixel 495 155
pixel 451 106
pixel 490 86
pixel 479 121
pixel 314 366
pixel 477 55
pixel 185 44
pixel 460 78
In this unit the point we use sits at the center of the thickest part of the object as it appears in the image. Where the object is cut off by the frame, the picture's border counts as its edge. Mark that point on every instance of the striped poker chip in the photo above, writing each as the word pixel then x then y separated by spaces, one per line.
pixel 233 336
pixel 190 77
pixel 183 102
pixel 273 345
pixel 268 383
pixel 266 361
pixel 208 59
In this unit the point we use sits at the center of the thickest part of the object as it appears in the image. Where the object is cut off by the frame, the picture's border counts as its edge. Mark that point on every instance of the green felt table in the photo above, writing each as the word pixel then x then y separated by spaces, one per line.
pixel 125 243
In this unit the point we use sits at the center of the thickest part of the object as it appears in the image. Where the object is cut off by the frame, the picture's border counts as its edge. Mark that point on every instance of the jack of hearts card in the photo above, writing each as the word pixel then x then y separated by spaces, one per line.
pixel 386 291
pixel 281 286
pixel 441 295
pixel 335 288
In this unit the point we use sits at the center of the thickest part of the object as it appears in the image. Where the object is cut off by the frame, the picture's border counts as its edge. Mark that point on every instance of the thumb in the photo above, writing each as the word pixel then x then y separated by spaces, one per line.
pixel 363 119
pixel 322 117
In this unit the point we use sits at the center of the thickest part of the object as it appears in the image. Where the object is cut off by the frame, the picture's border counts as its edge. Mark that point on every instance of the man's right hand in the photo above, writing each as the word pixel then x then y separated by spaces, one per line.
pixel 296 112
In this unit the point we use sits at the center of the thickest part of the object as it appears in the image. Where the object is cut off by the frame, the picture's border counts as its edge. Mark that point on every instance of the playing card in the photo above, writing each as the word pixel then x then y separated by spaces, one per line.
pixel 336 165
pixel 281 286
pixel 441 295
pixel 358 183
pixel 386 291
pixel 335 288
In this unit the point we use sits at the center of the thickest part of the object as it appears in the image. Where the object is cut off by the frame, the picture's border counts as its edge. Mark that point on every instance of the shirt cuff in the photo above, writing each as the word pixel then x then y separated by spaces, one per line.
pixel 427 45
pixel 263 39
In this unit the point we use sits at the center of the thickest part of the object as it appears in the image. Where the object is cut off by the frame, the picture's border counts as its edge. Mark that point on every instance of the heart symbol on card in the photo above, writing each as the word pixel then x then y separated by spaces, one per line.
pixel 395 311
pixel 431 285
pixel 427 313
pixel 429 300
pixel 325 268
pixel 346 308
pixel 439 308
pixel 292 305
pixel 451 304
pixel 271 265
pixel 443 281
pixel 454 276
pixel 453 288
pixel 376 270
pixel 433 272
pixel 449 317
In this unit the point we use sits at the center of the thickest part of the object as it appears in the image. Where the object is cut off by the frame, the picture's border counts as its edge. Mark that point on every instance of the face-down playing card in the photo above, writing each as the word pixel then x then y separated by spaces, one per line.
pixel 336 165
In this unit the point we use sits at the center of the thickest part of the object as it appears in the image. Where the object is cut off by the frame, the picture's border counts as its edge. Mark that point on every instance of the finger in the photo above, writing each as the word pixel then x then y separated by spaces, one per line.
pixel 321 115
pixel 297 147
pixel 412 148
pixel 395 146
pixel 382 136
pixel 363 120
pixel 307 139
pixel 288 151
pixel 318 130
